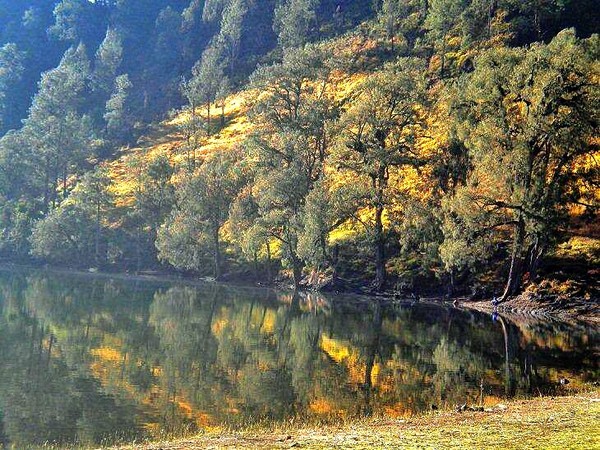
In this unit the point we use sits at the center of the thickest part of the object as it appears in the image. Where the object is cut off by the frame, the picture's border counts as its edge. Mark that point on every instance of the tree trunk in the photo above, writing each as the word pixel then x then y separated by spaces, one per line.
pixel 335 256
pixel 97 237
pixel 64 179
pixel 513 284
pixel 535 257
pixel 269 275
pixel 379 250
pixel 138 249
pixel 297 269
pixel 217 253
pixel 50 344
pixel 372 351
pixel 443 59
pixel 507 375
pixel 255 265
pixel 47 185
pixel 208 119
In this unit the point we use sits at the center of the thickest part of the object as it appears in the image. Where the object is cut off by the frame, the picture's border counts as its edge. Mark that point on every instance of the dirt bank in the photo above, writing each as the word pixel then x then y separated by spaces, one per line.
pixel 568 310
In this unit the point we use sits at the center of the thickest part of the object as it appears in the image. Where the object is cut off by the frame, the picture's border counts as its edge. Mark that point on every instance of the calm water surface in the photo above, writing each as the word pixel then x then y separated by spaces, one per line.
pixel 89 360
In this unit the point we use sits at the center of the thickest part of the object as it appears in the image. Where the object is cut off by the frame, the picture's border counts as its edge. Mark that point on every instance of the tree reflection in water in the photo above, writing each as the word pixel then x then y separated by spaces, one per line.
pixel 94 360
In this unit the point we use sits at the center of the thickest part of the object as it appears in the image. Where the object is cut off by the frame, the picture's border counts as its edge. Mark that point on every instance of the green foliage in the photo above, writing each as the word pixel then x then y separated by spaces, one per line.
pixel 76 230
pixel 291 146
pixel 531 114
pixel 378 136
pixel 230 34
pixel 294 20
pixel 348 142
pixel 108 60
pixel 11 71
pixel 193 230
pixel 69 20
pixel 116 116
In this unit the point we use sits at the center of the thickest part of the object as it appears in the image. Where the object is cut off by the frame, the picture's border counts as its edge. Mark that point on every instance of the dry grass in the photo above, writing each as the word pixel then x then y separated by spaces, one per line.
pixel 560 423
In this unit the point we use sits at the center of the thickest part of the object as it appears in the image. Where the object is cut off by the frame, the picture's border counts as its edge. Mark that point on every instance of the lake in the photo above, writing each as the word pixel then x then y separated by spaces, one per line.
pixel 92 360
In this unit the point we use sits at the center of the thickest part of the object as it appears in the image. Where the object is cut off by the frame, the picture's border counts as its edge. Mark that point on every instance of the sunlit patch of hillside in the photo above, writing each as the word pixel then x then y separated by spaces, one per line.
pixel 230 125
pixel 168 139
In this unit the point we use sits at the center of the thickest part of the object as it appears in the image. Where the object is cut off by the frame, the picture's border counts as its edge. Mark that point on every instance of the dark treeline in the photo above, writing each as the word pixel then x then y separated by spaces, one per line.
pixel 460 154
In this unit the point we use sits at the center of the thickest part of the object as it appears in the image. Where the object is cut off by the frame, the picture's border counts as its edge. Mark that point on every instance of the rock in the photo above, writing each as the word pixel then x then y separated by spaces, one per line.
pixel 476 408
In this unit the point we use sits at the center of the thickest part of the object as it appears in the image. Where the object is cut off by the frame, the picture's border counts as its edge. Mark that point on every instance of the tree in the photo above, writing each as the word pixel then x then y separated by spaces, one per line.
pixel 378 136
pixel 11 71
pixel 526 117
pixel 231 31
pixel 247 233
pixel 290 146
pixel 293 22
pixel 61 136
pixel 192 125
pixel 203 201
pixel 69 17
pixel 74 230
pixel 79 21
pixel 116 114
pixel 391 15
pixel 156 194
pixel 212 9
pixel 532 16
pixel 108 60
pixel 203 87
pixel 163 71
pixel 442 17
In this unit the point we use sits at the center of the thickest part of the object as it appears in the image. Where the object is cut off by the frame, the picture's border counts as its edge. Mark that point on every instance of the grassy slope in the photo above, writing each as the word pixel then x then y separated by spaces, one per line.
pixel 577 259
pixel 561 423
pixel 167 139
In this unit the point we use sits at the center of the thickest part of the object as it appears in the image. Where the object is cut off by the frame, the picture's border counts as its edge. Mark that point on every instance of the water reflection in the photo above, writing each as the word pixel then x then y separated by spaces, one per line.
pixel 93 360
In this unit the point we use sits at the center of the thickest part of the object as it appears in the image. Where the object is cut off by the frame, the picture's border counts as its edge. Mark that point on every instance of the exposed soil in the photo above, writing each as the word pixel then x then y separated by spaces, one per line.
pixel 575 309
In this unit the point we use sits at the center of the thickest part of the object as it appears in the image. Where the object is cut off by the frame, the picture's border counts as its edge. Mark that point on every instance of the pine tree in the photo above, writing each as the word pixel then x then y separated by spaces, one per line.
pixel 294 20
pixel 11 71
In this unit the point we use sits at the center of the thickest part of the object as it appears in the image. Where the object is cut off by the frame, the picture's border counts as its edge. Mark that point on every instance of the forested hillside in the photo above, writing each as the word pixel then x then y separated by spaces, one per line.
pixel 409 145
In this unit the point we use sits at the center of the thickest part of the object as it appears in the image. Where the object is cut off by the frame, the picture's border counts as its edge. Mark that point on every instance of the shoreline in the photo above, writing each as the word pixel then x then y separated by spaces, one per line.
pixel 573 310
pixel 567 422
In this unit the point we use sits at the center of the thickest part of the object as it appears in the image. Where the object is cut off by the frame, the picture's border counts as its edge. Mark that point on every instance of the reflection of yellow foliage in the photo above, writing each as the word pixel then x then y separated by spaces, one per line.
pixel 375 374
pixel 107 354
pixel 263 366
pixel 398 410
pixel 356 370
pixel 343 353
pixel 184 406
pixel 335 349
pixel 153 428
pixel 320 406
pixel 204 420
pixel 268 326
pixel 218 326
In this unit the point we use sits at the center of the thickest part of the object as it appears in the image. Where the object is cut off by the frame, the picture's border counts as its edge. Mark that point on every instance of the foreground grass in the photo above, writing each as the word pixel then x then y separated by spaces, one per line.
pixel 560 423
